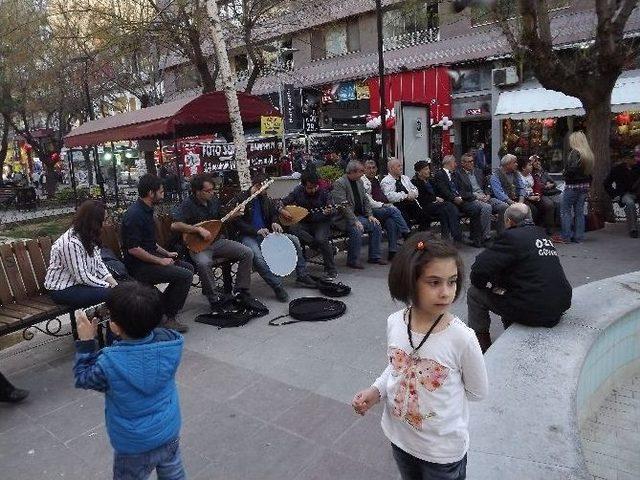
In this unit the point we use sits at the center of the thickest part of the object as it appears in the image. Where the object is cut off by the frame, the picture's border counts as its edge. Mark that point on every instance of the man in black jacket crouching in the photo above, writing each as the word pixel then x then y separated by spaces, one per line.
pixel 519 278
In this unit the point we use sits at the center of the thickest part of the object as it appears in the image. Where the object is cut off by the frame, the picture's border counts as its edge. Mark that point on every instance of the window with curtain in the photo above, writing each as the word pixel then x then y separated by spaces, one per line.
pixel 336 39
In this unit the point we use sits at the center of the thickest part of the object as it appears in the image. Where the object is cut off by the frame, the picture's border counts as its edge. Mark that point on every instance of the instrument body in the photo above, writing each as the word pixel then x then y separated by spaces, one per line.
pixel 300 213
pixel 197 244
pixel 279 253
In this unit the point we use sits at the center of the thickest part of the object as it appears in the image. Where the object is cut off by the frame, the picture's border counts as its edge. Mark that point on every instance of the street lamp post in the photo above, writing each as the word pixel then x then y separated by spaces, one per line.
pixel 383 105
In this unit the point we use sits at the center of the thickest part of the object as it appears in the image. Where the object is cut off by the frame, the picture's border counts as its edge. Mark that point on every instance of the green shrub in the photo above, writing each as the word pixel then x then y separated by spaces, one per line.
pixel 330 172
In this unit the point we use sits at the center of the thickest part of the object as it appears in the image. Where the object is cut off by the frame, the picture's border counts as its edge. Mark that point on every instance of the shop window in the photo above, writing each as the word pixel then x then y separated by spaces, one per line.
pixel 470 79
pixel 404 27
pixel 543 137
pixel 334 40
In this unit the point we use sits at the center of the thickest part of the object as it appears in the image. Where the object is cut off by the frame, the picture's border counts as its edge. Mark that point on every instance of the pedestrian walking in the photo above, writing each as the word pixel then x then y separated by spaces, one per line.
pixel 435 365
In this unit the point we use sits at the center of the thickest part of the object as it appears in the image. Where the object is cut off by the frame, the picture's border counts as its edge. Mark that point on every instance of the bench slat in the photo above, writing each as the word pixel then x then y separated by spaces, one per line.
pixel 13 274
pixel 45 245
pixel 7 320
pixel 26 271
pixel 5 291
pixel 37 260
pixel 24 311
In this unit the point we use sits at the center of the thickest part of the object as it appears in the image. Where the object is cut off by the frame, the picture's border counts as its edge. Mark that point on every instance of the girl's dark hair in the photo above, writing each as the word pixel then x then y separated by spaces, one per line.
pixel 135 307
pixel 409 262
pixel 87 224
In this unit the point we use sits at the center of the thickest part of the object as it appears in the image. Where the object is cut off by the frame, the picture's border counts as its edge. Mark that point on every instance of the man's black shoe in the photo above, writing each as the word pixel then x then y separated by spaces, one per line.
pixel 14 395
pixel 306 281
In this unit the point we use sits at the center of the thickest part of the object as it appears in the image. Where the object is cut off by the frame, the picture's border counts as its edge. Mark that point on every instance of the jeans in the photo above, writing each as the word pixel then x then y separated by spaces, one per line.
pixel 394 224
pixel 165 460
pixel 480 214
pixel 229 250
pixel 317 236
pixel 261 266
pixel 628 201
pixel 412 468
pixel 80 296
pixel 178 276
pixel 354 244
pixel 572 212
pixel 448 216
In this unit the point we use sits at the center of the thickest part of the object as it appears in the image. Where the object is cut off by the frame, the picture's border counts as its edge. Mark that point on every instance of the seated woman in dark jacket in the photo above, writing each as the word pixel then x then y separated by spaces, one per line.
pixel 434 207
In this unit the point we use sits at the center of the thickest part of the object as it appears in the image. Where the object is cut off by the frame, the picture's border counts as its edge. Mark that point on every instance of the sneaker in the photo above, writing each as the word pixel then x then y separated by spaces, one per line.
pixel 356 266
pixel 281 294
pixel 306 281
pixel 559 239
pixel 172 324
pixel 377 261
pixel 331 276
pixel 15 395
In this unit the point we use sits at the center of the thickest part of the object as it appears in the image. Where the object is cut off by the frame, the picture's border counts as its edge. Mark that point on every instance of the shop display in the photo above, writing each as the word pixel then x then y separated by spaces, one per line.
pixel 543 137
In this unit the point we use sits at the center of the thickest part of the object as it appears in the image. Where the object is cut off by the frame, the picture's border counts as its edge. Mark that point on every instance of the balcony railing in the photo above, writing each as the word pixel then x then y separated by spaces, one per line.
pixel 270 69
pixel 412 38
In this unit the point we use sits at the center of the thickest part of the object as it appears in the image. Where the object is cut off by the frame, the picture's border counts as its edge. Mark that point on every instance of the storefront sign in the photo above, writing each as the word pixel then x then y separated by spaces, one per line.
pixel 270 126
pixel 362 90
pixel 292 108
pixel 217 157
pixel 473 112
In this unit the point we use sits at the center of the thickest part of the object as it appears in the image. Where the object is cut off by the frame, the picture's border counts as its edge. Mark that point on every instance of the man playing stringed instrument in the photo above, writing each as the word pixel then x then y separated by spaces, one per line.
pixel 259 219
pixel 315 228
pixel 200 206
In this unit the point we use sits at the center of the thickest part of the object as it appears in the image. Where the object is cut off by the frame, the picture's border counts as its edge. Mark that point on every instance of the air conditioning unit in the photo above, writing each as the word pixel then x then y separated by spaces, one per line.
pixel 505 76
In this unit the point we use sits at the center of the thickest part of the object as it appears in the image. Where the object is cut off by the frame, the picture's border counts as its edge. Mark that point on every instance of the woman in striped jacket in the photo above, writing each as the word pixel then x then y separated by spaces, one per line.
pixel 77 276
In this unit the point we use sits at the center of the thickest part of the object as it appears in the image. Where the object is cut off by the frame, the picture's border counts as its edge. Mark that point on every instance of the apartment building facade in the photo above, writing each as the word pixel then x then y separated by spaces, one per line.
pixel 329 57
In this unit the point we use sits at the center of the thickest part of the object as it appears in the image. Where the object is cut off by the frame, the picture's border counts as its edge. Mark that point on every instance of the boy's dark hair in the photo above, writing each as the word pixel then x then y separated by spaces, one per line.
pixel 198 181
pixel 135 307
pixel 309 176
pixel 148 183
pixel 409 262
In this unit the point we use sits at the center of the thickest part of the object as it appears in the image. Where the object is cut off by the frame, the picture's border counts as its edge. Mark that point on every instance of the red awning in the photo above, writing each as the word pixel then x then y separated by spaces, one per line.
pixel 180 118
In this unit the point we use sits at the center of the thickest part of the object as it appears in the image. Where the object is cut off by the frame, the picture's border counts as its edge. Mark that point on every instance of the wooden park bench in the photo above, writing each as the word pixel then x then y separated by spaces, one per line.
pixel 24 302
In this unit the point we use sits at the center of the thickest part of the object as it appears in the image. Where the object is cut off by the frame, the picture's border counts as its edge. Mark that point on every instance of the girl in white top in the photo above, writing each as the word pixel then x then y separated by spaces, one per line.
pixel 435 365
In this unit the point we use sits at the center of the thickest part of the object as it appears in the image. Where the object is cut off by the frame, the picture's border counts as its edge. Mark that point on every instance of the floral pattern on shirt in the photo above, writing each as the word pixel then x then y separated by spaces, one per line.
pixel 415 373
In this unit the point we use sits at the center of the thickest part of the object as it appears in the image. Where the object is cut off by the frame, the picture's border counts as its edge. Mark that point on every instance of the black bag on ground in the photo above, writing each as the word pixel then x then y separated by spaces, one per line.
pixel 233 311
pixel 330 288
pixel 312 309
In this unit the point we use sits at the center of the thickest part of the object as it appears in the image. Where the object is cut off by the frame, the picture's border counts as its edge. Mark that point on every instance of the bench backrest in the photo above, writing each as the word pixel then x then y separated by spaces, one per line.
pixel 23 269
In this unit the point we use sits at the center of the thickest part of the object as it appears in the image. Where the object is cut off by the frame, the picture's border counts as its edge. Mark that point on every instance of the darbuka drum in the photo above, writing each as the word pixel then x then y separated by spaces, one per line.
pixel 280 254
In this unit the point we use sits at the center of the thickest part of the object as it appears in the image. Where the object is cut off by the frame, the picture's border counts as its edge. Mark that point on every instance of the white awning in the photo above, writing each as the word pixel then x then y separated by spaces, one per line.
pixel 534 101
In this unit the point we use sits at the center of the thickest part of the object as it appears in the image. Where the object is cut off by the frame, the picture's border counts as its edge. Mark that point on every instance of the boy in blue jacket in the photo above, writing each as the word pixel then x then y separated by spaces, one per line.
pixel 137 376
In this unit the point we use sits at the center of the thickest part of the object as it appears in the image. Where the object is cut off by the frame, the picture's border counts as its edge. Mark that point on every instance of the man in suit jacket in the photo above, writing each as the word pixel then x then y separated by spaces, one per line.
pixel 357 216
pixel 447 188
pixel 472 185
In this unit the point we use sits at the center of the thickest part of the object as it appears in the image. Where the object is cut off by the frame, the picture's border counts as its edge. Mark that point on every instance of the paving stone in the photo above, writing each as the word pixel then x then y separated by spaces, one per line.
pixel 11 417
pixel 318 419
pixel 330 465
pixel 266 399
pixel 74 419
pixel 95 449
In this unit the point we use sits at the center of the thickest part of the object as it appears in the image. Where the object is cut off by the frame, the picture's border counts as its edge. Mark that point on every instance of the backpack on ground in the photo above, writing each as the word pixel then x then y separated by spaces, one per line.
pixel 233 311
pixel 311 309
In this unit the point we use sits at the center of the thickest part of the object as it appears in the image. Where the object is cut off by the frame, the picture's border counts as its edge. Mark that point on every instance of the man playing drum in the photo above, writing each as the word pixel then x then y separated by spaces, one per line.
pixel 200 206
pixel 260 219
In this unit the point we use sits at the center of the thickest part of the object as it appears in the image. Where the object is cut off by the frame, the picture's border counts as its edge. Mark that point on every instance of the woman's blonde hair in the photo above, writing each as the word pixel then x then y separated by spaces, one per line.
pixel 578 141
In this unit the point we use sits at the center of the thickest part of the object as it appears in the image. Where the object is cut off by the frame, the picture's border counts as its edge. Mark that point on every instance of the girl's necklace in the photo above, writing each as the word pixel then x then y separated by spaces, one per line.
pixel 414 352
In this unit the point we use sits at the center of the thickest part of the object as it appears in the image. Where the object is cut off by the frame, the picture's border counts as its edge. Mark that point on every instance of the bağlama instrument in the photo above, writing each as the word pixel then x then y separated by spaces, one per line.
pixel 196 243
pixel 299 213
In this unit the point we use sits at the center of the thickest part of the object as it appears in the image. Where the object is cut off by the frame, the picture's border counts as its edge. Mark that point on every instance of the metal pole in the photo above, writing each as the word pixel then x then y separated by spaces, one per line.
pixel 99 177
pixel 115 175
pixel 72 175
pixel 383 105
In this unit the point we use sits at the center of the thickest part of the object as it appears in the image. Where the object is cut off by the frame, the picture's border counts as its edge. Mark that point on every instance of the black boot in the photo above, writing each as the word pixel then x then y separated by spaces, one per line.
pixel 9 393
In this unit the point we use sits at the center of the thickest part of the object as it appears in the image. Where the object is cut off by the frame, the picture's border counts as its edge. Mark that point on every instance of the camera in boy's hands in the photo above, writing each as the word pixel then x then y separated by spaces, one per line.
pixel 87 320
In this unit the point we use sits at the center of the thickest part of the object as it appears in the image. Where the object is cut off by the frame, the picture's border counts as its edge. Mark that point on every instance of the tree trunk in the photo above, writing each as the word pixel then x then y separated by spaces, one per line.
pixel 598 121
pixel 230 93
pixel 52 179
pixel 4 143
pixel 150 162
